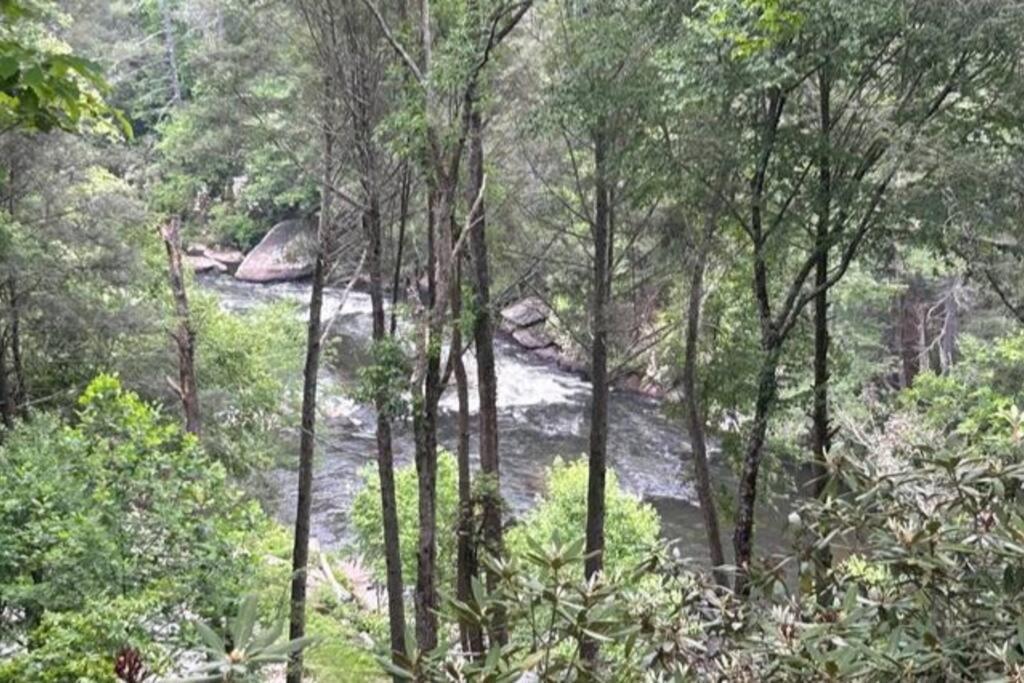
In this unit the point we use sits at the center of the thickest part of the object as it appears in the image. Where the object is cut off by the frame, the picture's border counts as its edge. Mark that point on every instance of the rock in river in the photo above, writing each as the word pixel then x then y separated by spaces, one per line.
pixel 203 264
pixel 286 253
pixel 525 313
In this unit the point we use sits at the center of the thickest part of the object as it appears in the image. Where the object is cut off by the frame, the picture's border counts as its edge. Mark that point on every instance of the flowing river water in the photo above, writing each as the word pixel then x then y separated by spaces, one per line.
pixel 543 414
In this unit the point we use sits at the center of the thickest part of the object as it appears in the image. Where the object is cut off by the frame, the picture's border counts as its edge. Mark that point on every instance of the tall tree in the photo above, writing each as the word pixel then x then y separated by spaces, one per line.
pixel 483 333
pixel 442 144
pixel 310 375
pixel 351 46
pixel 885 85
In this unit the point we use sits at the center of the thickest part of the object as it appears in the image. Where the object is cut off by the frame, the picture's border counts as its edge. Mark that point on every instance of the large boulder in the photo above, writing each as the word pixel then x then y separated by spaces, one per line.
pixel 525 313
pixel 286 253
pixel 533 338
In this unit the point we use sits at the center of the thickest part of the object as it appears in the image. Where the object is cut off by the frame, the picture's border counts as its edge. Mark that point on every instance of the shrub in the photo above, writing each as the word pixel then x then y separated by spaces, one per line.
pixel 118 514
pixel 245 363
pixel 368 524
pixel 631 527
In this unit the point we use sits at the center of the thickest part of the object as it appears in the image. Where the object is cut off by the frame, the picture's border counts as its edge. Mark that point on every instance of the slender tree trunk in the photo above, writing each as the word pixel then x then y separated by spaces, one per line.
pixel 695 413
pixel 385 448
pixel 20 390
pixel 486 368
pixel 403 219
pixel 950 330
pixel 184 335
pixel 6 400
pixel 425 419
pixel 18 393
pixel 821 431
pixel 924 357
pixel 771 349
pixel 470 635
pixel 307 439
pixel 598 452
pixel 767 392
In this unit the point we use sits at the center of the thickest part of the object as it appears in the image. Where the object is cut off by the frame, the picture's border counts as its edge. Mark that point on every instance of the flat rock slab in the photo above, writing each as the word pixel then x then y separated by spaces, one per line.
pixel 229 257
pixel 525 313
pixel 286 253
pixel 203 264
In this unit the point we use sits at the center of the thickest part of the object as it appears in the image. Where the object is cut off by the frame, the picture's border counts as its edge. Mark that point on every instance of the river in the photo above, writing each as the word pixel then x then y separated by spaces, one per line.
pixel 543 414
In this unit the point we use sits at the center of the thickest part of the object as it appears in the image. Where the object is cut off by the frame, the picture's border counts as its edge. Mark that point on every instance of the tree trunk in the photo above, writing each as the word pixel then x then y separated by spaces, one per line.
pixel 821 429
pixel 403 219
pixel 767 390
pixel 598 451
pixel 385 449
pixel 695 414
pixel 184 335
pixel 924 359
pixel 6 400
pixel 19 394
pixel 426 599
pixel 307 439
pixel 486 370
pixel 950 330
pixel 466 568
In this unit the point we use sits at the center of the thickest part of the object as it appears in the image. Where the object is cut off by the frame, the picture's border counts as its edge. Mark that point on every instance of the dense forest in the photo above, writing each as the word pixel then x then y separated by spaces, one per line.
pixel 511 340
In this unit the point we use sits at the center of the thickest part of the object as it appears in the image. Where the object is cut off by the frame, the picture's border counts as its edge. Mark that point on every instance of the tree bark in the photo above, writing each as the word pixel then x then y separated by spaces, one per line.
pixel 184 336
pixel 7 408
pixel 385 448
pixel 821 429
pixel 425 411
pixel 466 567
pixel 307 438
pixel 598 450
pixel 695 413
pixel 767 391
pixel 486 368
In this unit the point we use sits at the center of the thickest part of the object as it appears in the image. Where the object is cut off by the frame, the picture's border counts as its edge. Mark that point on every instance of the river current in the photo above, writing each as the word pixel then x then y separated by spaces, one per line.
pixel 543 414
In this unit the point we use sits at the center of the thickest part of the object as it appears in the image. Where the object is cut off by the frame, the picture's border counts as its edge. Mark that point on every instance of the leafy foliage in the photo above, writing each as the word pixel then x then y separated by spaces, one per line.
pixel 43 89
pixel 247 649
pixel 120 511
pixel 631 526
pixel 366 517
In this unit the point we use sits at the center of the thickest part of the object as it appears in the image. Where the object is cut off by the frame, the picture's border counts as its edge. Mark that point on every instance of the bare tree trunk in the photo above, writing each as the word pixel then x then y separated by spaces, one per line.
pixel 821 429
pixel 19 395
pixel 486 369
pixel 466 568
pixel 767 391
pixel 6 400
pixel 950 330
pixel 771 349
pixel 403 219
pixel 307 439
pixel 425 411
pixel 184 335
pixel 598 453
pixel 695 413
pixel 924 360
pixel 171 52
pixel 385 449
